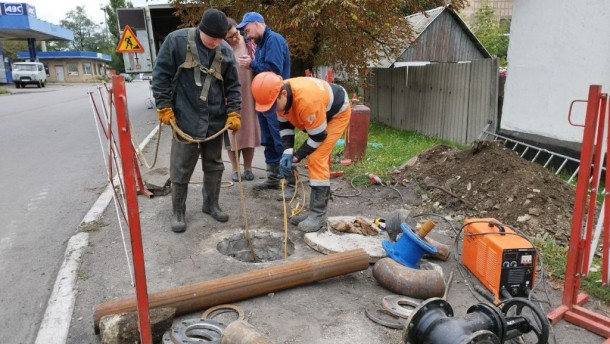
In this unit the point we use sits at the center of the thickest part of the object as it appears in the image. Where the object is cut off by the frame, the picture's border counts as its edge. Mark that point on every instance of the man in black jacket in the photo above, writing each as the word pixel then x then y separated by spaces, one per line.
pixel 195 85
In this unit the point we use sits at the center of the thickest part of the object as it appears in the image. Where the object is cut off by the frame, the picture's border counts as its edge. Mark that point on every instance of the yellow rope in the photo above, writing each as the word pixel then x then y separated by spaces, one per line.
pixel 188 138
pixel 139 151
pixel 242 198
pixel 282 182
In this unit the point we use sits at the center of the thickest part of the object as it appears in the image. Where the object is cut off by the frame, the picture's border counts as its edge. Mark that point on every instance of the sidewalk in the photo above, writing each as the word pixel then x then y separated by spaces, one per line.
pixel 330 311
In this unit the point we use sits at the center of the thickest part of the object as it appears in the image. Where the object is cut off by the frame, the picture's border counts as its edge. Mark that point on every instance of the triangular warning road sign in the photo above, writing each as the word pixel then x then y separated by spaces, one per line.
pixel 129 42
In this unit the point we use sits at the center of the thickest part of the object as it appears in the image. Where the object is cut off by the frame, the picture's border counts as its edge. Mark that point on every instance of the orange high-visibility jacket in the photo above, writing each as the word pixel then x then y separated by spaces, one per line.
pixel 312 103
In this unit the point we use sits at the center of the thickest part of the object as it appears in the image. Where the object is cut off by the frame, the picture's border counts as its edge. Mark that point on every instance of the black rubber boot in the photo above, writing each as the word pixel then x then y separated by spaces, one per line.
pixel 179 193
pixel 211 193
pixel 316 218
pixel 273 178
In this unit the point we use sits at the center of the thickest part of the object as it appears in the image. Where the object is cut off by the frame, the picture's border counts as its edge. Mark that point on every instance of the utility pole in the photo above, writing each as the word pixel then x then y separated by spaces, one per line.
pixel 105 36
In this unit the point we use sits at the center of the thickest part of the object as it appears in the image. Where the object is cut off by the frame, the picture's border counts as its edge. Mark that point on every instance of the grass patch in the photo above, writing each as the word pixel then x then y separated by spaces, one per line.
pixel 388 149
pixel 555 260
pixel 92 226
pixel 5 91
pixel 83 275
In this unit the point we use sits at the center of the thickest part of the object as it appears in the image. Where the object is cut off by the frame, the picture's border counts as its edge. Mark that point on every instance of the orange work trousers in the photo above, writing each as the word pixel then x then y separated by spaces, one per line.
pixel 319 159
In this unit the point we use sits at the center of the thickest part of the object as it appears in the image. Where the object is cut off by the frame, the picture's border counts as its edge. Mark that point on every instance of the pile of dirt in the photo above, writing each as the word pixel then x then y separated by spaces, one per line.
pixel 490 180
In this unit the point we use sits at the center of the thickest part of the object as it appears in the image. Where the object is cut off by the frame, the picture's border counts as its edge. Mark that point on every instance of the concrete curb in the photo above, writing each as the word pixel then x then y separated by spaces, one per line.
pixel 55 324
pixel 53 328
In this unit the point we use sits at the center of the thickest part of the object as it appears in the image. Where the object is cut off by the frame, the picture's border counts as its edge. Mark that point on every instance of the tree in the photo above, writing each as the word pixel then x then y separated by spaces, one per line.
pixel 492 33
pixel 12 47
pixel 345 34
pixel 84 30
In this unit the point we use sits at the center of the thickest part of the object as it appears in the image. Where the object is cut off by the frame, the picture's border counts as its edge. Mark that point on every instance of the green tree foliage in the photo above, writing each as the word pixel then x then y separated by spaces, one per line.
pixel 345 34
pixel 492 34
pixel 12 47
pixel 84 29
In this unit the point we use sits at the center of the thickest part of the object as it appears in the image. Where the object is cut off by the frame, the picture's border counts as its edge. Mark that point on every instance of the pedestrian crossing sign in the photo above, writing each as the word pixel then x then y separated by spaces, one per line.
pixel 129 42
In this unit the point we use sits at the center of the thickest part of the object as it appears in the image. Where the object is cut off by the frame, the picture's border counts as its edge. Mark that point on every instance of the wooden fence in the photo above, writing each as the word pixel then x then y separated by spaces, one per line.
pixel 450 101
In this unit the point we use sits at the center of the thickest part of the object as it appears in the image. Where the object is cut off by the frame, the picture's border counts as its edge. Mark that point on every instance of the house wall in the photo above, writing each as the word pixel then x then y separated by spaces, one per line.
pixel 557 49
pixel 443 41
pixel 77 73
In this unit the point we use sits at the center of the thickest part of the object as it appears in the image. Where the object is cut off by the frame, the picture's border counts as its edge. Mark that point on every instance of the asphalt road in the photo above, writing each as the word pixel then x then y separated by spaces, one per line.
pixel 52 171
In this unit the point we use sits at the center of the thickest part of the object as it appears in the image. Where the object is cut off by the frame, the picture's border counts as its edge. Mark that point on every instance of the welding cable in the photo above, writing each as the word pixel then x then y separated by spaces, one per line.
pixel 358 191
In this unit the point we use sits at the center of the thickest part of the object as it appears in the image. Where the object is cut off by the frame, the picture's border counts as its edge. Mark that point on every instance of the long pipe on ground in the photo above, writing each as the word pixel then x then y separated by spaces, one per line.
pixel 195 297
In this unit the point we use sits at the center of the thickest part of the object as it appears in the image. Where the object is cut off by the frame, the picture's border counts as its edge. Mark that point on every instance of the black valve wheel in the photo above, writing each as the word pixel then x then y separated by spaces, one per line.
pixel 538 323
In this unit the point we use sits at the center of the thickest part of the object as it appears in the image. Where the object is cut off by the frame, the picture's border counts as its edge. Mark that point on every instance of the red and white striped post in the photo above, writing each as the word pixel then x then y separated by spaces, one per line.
pixel 128 162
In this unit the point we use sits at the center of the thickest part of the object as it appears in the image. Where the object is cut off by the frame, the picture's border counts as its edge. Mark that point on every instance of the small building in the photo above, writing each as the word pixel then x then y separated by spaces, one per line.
pixel 440 35
pixel 72 66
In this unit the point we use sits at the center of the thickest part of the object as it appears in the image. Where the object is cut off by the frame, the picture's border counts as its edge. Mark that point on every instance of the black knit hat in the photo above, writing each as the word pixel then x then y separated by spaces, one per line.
pixel 214 23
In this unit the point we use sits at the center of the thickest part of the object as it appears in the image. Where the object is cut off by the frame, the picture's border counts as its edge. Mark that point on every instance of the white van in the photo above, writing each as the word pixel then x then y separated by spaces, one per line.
pixel 29 73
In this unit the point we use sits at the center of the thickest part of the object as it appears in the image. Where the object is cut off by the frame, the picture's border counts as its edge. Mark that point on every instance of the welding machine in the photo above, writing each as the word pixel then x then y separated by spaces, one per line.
pixel 505 263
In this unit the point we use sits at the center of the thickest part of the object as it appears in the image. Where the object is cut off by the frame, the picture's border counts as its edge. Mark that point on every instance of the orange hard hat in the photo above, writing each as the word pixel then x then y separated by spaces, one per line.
pixel 266 86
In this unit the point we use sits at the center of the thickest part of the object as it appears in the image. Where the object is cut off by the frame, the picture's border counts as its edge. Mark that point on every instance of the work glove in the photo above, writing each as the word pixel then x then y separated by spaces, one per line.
pixel 166 115
pixel 286 163
pixel 233 121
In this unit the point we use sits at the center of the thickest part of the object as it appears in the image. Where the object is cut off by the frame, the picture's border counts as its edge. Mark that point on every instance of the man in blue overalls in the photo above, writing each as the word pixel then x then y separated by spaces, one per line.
pixel 272 55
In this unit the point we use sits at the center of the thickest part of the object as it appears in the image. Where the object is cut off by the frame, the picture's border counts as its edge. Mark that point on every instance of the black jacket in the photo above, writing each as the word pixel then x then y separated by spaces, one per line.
pixel 194 116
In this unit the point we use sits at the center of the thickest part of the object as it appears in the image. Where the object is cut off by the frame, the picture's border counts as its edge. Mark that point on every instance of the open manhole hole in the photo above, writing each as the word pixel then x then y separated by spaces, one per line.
pixel 267 246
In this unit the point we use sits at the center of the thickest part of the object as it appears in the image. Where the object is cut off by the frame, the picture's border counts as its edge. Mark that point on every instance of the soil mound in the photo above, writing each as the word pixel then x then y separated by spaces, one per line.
pixel 490 180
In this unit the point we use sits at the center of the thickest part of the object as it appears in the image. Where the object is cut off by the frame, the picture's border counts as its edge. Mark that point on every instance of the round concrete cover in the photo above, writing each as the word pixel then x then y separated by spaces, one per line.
pixel 329 241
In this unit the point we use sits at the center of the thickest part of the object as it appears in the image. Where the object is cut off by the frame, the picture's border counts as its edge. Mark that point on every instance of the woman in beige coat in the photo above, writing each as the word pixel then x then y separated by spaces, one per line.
pixel 249 136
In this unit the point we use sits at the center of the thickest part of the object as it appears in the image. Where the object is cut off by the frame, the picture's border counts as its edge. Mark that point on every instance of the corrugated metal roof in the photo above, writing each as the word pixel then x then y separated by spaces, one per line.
pixel 420 21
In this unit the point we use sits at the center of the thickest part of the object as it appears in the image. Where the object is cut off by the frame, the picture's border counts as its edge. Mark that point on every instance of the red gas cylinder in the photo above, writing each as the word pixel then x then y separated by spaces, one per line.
pixel 356 135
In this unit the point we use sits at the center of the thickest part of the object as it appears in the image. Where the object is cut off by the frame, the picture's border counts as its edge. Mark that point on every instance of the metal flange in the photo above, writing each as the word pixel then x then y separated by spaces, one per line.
pixel 194 331
pixel 395 304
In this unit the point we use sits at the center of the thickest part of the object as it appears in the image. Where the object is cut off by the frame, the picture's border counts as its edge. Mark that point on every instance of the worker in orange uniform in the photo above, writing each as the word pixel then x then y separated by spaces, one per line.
pixel 322 110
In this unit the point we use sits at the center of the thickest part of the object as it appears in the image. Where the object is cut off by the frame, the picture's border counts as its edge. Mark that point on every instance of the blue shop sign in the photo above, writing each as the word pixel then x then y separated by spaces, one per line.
pixel 17 9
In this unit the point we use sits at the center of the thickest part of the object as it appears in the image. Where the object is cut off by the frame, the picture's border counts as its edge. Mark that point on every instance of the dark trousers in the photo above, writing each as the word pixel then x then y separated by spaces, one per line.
pixel 184 156
pixel 270 136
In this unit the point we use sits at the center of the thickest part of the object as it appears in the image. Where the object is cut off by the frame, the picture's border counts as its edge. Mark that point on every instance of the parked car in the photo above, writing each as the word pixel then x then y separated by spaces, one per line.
pixel 128 77
pixel 29 73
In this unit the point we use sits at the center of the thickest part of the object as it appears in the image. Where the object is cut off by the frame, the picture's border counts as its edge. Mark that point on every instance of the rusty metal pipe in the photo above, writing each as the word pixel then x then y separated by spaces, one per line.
pixel 442 250
pixel 194 297
pixel 416 283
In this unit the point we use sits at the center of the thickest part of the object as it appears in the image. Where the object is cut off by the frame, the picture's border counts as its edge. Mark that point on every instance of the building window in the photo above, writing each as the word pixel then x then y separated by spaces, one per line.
pixel 72 69
pixel 87 68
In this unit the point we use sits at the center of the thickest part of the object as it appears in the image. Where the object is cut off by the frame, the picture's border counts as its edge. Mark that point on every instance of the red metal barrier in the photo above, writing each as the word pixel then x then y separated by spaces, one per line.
pixel 595 128
pixel 128 160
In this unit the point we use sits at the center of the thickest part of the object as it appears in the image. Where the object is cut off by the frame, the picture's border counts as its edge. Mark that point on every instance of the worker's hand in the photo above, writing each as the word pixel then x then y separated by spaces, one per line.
pixel 165 115
pixel 286 163
pixel 244 61
pixel 233 121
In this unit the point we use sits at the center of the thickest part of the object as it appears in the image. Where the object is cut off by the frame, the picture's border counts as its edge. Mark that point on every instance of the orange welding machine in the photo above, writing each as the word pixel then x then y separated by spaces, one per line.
pixel 504 262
